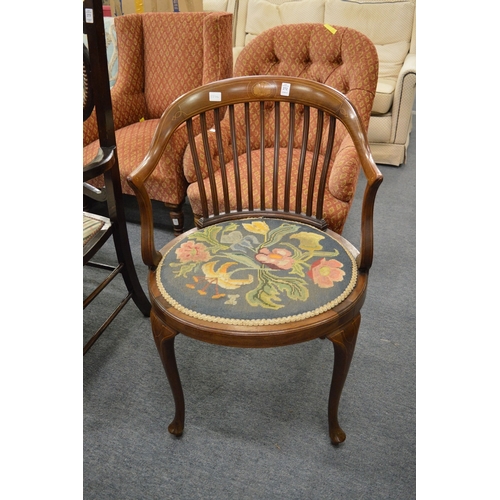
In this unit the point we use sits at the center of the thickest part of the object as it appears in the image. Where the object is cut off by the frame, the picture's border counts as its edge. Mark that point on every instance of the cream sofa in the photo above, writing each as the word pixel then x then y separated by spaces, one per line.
pixel 390 24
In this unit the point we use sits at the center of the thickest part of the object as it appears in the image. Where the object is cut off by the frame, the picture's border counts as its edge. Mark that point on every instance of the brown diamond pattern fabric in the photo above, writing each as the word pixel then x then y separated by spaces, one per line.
pixel 161 56
pixel 346 60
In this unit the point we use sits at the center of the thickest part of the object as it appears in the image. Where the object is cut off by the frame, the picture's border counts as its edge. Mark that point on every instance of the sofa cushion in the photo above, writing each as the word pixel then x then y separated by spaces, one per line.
pixel 265 14
pixel 215 5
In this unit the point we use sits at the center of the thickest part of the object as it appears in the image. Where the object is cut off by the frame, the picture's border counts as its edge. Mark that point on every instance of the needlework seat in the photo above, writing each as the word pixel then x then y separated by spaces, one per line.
pixel 256 272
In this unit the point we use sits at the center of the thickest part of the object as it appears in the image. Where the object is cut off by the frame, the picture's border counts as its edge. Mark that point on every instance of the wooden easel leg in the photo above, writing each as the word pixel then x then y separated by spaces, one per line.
pixel 164 339
pixel 344 343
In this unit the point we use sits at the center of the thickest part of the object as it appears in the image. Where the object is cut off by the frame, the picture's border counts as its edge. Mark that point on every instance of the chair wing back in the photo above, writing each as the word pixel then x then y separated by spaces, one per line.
pixel 175 51
pixel 162 55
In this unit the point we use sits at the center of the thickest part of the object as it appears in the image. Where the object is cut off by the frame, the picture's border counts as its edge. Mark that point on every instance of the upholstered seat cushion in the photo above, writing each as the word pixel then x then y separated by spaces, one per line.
pixel 256 271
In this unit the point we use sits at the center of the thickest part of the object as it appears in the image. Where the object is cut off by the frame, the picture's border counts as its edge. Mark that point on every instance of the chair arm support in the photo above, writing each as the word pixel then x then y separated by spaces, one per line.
pixel 404 94
pixel 373 180
pixel 167 126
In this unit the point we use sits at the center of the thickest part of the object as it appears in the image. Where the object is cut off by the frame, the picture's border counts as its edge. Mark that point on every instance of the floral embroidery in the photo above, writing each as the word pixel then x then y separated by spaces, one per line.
pixel 192 252
pixel 222 277
pixel 325 273
pixel 269 261
pixel 278 258
pixel 259 227
pixel 308 241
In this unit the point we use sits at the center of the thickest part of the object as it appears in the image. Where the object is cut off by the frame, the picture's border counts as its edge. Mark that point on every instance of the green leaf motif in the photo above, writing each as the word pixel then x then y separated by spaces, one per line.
pixel 267 293
pixel 295 288
pixel 242 259
pixel 277 234
pixel 209 237
pixel 185 268
pixel 264 295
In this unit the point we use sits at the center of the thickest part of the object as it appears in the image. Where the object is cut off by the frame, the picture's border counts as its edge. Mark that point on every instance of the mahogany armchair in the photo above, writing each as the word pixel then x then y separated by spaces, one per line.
pixel 339 57
pixel 266 272
pixel 161 55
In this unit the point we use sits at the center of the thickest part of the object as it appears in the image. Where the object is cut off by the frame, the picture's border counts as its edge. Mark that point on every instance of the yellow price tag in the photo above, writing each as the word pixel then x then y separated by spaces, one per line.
pixel 139 6
pixel 331 29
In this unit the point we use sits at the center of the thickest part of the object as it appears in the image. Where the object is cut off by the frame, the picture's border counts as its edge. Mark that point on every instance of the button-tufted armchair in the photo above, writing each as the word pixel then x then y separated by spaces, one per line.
pixel 340 57
pixel 161 56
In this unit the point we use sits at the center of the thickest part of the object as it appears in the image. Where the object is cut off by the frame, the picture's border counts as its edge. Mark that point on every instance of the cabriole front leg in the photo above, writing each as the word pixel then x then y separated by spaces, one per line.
pixel 164 339
pixel 344 343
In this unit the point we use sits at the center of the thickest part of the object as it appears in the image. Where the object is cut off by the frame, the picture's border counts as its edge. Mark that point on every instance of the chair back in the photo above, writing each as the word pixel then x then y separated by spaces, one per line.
pixel 295 122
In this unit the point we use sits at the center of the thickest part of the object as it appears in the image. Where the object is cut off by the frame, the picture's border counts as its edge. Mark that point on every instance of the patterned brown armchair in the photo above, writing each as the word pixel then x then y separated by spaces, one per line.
pixel 340 57
pixel 161 55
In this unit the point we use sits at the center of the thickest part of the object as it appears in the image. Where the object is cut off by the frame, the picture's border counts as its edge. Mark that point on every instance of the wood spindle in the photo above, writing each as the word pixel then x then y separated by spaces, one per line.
pixel 314 163
pixel 237 177
pixel 210 167
pixel 302 160
pixel 249 156
pixel 197 167
pixel 326 164
pixel 289 156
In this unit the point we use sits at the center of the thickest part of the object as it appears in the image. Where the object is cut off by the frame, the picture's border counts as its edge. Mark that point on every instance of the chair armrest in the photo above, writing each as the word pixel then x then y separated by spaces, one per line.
pixel 103 161
pixel 404 97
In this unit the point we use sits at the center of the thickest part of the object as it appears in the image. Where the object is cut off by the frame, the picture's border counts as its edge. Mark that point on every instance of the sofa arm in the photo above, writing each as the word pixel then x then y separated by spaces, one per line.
pixel 404 97
pixel 344 173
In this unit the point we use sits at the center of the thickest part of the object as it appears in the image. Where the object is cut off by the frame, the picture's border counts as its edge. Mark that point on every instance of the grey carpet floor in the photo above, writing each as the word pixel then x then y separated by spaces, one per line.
pixel 256 420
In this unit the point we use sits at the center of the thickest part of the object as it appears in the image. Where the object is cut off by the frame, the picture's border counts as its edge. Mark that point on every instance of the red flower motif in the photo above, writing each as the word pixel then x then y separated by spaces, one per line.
pixel 192 252
pixel 325 273
pixel 279 258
